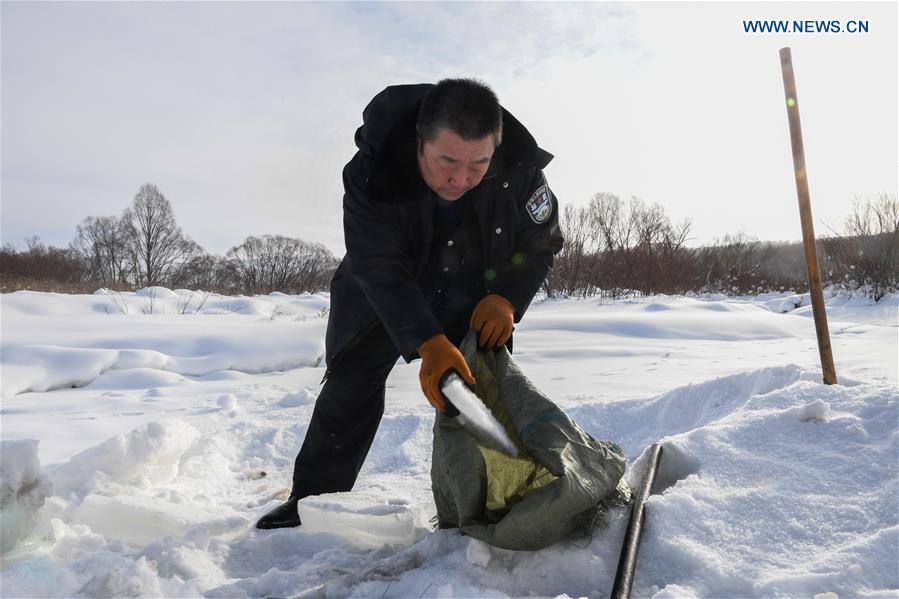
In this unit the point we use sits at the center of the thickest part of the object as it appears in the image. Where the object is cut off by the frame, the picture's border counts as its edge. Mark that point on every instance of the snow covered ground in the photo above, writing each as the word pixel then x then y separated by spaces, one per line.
pixel 166 422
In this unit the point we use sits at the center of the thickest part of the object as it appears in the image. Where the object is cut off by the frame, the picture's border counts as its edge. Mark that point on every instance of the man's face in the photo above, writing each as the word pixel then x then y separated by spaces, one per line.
pixel 451 165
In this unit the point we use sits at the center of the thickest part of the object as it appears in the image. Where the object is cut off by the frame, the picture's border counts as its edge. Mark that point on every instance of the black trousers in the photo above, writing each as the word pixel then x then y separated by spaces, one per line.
pixel 346 417
pixel 349 408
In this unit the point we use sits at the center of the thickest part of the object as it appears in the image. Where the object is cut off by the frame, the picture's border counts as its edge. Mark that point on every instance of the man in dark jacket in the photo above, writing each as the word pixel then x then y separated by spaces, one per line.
pixel 449 225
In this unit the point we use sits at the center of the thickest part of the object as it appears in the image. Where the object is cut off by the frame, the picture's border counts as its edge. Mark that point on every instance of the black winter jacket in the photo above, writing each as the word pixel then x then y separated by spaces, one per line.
pixel 388 227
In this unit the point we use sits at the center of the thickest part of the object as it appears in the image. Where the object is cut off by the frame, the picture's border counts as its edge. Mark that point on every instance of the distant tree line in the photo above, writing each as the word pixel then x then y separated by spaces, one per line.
pixel 866 256
pixel 613 247
pixel 144 246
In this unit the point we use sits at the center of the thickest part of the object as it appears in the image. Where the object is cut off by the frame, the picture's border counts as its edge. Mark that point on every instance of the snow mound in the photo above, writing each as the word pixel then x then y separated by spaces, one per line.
pixel 760 471
pixel 136 378
pixel 156 292
pixel 814 412
pixel 161 480
pixel 150 454
pixel 228 404
pixel 636 424
pixel 139 358
pixel 303 397
pixel 46 367
pixel 142 520
pixel 682 319
pixel 135 579
pixel 858 308
pixel 23 489
pixel 782 305
pixel 657 307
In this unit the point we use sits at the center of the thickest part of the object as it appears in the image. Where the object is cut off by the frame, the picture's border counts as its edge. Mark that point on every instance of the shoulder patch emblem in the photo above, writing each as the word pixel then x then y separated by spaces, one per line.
pixel 540 207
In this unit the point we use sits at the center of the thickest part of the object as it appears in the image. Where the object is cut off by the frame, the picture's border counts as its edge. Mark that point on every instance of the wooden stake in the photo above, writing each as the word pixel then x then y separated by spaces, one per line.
pixel 805 216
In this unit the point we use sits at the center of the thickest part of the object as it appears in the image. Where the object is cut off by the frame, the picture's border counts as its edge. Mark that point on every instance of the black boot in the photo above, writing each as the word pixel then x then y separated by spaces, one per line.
pixel 283 516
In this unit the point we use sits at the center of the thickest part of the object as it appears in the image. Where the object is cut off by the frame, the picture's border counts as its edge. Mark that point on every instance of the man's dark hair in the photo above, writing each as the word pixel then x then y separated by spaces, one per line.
pixel 467 107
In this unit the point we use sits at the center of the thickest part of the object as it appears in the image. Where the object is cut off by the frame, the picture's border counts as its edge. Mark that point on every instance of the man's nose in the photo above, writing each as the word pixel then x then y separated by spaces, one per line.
pixel 458 177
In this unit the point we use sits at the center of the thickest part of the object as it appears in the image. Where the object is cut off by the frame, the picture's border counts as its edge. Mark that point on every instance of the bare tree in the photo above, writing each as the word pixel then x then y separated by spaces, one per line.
pixel 101 245
pixel 315 268
pixel 613 227
pixel 735 263
pixel 675 259
pixel 279 263
pixel 204 271
pixel 609 218
pixel 573 271
pixel 640 249
pixel 157 248
pixel 867 255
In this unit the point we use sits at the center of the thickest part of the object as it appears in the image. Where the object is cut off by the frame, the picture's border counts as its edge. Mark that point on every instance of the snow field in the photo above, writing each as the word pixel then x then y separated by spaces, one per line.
pixel 147 479
pixel 52 341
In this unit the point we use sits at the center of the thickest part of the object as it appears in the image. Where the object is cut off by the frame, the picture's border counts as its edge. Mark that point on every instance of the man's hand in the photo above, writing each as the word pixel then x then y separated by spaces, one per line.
pixel 492 319
pixel 437 356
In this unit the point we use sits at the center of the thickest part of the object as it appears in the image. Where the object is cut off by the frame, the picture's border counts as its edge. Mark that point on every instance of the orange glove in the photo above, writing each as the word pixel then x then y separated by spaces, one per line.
pixel 437 356
pixel 492 319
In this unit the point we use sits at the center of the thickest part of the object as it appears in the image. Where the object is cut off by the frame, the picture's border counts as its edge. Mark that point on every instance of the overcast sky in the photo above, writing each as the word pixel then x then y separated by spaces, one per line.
pixel 243 114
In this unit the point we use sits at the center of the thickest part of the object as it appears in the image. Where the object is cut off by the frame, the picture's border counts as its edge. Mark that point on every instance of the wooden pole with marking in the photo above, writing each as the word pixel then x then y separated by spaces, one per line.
pixel 805 216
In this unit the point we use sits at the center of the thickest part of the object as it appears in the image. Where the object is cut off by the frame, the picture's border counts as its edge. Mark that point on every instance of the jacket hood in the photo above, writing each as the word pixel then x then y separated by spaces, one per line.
pixel 387 135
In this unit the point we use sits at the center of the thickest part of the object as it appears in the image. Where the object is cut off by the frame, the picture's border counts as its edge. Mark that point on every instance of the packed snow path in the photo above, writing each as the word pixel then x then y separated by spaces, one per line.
pixel 167 422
